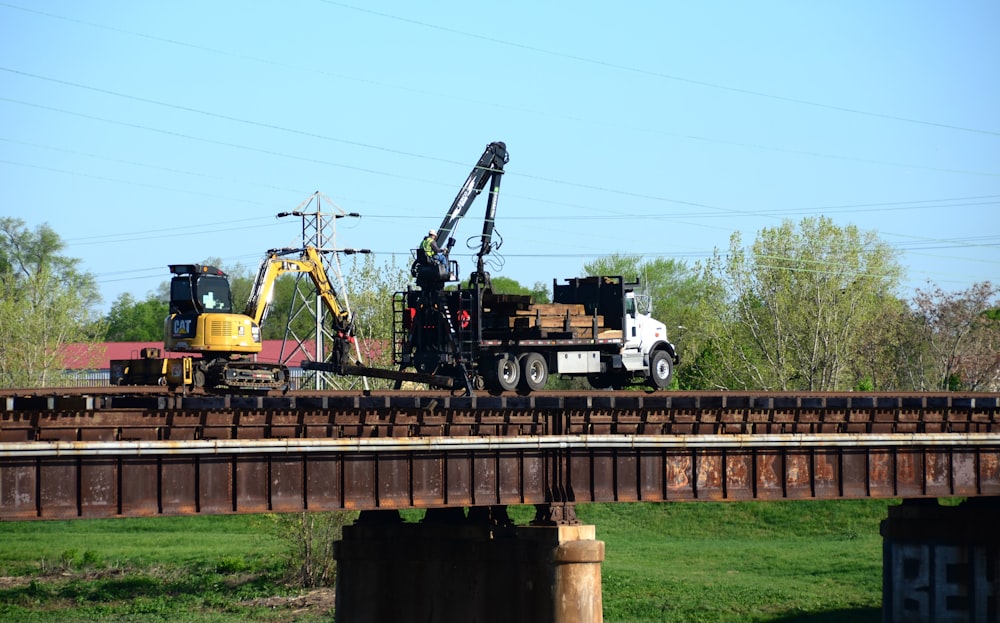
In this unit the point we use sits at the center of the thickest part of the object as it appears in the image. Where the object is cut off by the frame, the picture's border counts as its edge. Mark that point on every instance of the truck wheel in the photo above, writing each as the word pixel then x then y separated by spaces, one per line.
pixel 508 373
pixel 534 372
pixel 599 381
pixel 661 370
pixel 607 380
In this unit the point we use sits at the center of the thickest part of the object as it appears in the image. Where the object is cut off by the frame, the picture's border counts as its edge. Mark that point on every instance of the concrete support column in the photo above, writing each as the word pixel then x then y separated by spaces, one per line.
pixel 577 582
pixel 941 564
pixel 393 572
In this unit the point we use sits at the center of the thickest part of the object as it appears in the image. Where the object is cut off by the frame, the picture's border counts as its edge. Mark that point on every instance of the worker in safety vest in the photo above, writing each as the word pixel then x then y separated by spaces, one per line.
pixel 431 249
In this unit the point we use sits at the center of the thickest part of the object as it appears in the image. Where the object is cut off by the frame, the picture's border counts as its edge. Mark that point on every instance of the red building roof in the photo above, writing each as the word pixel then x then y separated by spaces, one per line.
pixel 97 356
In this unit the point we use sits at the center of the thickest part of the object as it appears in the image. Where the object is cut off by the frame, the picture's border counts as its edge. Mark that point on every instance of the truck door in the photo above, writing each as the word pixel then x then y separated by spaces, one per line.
pixel 631 329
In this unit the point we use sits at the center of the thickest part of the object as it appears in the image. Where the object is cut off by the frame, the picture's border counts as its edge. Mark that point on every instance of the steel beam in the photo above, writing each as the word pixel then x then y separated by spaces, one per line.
pixel 63 479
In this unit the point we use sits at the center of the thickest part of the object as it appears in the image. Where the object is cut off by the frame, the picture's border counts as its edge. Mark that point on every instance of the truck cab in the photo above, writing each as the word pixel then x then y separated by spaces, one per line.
pixel 645 336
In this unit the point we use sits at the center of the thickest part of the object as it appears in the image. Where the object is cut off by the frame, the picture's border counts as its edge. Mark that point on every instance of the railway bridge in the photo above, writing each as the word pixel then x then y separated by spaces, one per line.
pixel 111 453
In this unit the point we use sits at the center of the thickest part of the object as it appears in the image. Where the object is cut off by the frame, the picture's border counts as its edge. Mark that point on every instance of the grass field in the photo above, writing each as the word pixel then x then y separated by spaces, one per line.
pixel 807 562
pixel 787 562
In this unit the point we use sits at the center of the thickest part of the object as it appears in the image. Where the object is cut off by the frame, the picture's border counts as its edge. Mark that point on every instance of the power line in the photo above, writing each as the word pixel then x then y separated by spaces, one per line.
pixel 493 103
pixel 704 211
pixel 721 210
pixel 674 217
pixel 656 74
pixel 908 205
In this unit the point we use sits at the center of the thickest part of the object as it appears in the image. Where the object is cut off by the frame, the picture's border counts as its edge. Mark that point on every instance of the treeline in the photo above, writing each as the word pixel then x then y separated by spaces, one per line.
pixel 809 306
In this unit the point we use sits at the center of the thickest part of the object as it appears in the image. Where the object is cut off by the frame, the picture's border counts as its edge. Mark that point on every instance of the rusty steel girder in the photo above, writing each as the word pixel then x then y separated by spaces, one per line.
pixel 139 478
pixel 66 455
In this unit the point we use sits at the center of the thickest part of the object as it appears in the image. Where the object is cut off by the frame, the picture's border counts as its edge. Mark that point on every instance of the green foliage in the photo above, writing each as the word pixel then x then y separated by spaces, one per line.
pixel 865 385
pixel 505 285
pixel 308 539
pixel 962 337
pixel 370 286
pixel 45 303
pixel 369 291
pixel 799 305
pixel 136 321
pixel 73 560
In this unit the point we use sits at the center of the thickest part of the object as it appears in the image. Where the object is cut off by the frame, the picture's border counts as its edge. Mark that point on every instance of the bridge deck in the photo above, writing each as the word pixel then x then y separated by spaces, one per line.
pixel 66 454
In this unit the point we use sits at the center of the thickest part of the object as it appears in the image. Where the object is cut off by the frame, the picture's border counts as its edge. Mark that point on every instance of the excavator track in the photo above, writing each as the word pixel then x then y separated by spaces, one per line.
pixel 226 376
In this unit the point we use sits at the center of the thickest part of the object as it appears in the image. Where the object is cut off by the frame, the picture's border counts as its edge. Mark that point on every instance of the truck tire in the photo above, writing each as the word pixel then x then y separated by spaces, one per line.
pixel 534 372
pixel 502 375
pixel 607 380
pixel 661 369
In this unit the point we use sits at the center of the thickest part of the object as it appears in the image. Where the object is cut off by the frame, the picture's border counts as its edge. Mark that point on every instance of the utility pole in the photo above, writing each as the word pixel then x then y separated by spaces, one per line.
pixel 319 231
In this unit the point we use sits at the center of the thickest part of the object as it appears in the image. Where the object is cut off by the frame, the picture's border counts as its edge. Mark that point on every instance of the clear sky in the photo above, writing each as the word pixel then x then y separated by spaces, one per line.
pixel 149 133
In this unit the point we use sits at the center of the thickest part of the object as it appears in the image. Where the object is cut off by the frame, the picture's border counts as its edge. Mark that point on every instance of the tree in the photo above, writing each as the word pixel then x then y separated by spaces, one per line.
pixel 136 321
pixel 505 285
pixel 275 325
pixel 369 290
pixel 798 306
pixel 45 304
pixel 963 334
pixel 894 354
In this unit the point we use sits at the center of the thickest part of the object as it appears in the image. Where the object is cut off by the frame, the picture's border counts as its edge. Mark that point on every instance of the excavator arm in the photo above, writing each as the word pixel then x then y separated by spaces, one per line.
pixel 277 263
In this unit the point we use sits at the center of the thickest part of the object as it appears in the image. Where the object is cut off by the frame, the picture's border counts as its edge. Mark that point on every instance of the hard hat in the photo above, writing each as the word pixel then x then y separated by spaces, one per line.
pixel 432 233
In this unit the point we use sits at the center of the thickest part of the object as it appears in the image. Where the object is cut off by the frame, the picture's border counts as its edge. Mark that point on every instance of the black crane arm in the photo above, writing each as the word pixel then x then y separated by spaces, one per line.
pixel 488 169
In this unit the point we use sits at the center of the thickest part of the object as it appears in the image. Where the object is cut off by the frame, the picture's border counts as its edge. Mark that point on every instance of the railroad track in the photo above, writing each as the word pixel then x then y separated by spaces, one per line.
pixel 105 452
pixel 153 413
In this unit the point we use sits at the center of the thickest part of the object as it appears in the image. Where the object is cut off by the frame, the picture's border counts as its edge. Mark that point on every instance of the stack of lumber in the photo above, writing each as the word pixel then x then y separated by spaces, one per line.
pixel 563 318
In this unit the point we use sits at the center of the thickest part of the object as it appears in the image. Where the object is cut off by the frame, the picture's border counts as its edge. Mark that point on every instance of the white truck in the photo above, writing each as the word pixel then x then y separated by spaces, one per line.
pixel 502 342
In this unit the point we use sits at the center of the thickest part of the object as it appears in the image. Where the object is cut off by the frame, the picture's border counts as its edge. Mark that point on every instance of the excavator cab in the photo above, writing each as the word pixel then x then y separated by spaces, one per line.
pixel 201 316
pixel 199 289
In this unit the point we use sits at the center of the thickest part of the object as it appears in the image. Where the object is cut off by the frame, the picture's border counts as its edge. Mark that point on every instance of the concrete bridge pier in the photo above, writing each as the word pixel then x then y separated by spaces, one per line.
pixel 479 568
pixel 941 564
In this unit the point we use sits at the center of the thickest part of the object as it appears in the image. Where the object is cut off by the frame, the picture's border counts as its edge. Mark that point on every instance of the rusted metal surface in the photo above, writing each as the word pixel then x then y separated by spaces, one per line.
pixel 65 416
pixel 80 455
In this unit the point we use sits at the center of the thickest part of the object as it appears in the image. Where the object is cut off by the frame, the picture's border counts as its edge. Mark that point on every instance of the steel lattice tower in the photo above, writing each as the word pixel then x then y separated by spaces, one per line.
pixel 307 311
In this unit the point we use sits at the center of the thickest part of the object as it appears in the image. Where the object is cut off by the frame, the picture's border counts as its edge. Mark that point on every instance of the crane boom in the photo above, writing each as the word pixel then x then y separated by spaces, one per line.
pixel 489 169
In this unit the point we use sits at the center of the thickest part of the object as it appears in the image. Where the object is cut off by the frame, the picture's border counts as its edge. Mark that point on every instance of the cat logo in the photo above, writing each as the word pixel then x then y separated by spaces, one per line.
pixel 182 327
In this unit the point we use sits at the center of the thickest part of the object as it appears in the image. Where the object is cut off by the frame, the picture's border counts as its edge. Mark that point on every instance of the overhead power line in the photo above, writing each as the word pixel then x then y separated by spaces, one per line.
pixel 522 46
pixel 271 62
pixel 657 74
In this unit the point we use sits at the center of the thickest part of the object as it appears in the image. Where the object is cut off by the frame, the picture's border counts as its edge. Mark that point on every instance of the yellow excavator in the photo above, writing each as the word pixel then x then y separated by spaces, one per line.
pixel 217 346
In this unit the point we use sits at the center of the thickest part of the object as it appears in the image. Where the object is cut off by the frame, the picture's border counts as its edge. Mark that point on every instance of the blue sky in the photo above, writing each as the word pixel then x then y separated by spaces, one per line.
pixel 153 133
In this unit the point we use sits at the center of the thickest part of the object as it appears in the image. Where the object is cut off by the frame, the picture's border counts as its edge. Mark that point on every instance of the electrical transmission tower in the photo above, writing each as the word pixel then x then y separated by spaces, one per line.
pixel 308 332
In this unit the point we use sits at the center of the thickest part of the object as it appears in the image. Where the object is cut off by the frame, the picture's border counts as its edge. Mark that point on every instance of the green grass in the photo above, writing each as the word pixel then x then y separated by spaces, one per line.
pixel 808 562
pixel 202 569
pixel 782 562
